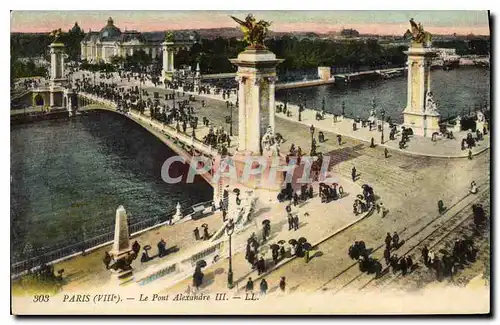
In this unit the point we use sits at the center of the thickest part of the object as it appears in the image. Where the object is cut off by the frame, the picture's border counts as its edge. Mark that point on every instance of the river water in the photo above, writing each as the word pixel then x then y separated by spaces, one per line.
pixel 69 176
pixel 455 91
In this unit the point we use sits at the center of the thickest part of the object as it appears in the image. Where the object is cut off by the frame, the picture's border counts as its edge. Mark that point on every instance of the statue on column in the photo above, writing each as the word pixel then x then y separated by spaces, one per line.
pixel 254 32
pixel 56 34
pixel 430 103
pixel 270 143
pixel 417 34
pixel 480 116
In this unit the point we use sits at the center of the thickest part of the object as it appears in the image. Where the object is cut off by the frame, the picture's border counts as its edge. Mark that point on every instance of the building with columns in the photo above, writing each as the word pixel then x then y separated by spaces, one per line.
pixel 111 41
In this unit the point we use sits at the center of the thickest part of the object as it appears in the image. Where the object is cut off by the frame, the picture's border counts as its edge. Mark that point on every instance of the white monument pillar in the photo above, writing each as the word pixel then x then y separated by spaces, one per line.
pixel 166 72
pixel 57 78
pixel 256 73
pixel 423 120
pixel 121 243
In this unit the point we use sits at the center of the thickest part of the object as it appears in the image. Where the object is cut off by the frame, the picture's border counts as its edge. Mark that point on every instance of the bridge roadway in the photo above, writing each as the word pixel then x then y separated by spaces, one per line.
pixel 409 187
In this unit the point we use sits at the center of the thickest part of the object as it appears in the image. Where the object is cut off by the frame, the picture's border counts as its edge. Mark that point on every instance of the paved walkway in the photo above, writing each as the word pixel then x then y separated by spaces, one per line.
pixel 323 220
pixel 417 145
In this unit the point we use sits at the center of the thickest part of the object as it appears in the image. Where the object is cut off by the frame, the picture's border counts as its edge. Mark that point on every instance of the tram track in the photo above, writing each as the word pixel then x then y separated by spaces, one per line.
pixel 466 225
pixel 351 277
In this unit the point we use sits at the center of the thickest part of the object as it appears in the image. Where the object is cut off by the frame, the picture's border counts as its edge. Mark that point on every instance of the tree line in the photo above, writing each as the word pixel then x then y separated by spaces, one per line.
pixel 298 53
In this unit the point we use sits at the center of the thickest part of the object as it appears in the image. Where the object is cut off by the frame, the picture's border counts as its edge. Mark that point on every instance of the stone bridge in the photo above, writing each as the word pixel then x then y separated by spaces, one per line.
pixel 185 146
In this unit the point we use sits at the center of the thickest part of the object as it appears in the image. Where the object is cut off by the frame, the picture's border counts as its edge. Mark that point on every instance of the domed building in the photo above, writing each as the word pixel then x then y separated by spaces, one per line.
pixel 111 41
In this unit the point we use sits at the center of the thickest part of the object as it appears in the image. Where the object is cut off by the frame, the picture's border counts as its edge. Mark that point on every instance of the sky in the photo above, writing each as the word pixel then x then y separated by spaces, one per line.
pixel 373 22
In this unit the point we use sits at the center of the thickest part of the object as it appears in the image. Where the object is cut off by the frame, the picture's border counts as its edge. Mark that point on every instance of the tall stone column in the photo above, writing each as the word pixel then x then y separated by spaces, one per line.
pixel 254 65
pixel 165 60
pixel 57 78
pixel 253 131
pixel 241 114
pixel 171 61
pixel 417 116
pixel 272 105
pixel 409 94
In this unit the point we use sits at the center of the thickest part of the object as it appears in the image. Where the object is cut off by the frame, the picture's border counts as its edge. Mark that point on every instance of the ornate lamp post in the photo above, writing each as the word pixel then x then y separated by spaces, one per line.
pixel 383 118
pixel 229 232
pixel 173 98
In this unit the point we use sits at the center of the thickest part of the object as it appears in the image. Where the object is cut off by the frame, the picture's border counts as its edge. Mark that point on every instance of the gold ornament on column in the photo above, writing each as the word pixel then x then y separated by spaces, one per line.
pixel 254 31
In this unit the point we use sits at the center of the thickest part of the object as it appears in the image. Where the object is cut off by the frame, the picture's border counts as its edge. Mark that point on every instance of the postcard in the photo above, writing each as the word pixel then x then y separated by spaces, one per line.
pixel 250 163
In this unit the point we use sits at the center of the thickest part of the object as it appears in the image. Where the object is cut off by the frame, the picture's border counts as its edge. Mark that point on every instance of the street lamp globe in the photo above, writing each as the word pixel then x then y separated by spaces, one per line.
pixel 230 227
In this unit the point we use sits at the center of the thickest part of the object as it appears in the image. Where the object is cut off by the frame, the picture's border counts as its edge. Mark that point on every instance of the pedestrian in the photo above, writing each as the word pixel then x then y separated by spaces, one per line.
pixel 282 253
pixel 353 174
pixel 387 255
pixel 386 153
pixel 107 260
pixel 473 187
pixel 263 287
pixel 261 266
pixel 388 240
pixel 470 154
pixel 394 263
pixel 206 235
pixel 282 284
pixel 249 286
pixel 438 267
pixel 296 222
pixel 395 240
pixel 290 221
pixel 441 207
pixel 339 139
pixel 275 255
pixel 425 255
pixel 409 262
pixel 403 266
pixel 372 143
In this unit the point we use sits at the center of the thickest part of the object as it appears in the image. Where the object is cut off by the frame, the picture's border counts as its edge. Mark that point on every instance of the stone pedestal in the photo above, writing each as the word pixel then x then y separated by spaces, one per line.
pixel 324 73
pixel 121 251
pixel 418 114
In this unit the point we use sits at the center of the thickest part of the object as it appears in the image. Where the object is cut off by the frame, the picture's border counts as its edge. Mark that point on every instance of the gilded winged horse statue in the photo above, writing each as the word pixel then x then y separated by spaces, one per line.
pixel 254 32
pixel 417 33
pixel 56 34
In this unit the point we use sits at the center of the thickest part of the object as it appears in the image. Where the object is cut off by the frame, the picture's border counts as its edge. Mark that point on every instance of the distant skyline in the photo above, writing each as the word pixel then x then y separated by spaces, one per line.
pixel 366 22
